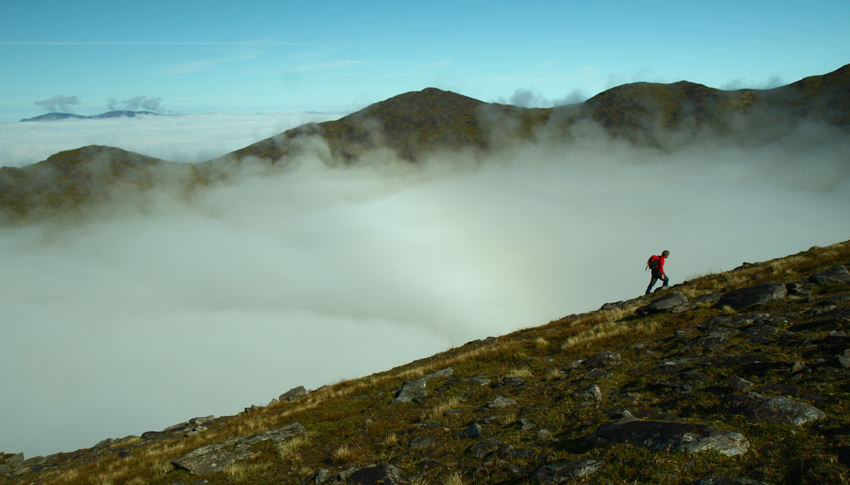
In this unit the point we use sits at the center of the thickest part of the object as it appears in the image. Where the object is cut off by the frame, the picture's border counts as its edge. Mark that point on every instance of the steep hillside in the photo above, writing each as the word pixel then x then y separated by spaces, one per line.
pixel 730 378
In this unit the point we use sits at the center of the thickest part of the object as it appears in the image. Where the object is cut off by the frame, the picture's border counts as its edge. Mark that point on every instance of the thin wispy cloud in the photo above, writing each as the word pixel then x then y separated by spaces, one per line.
pixel 249 43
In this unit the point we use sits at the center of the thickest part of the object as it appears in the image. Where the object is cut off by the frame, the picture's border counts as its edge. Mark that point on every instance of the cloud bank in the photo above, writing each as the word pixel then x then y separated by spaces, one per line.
pixel 301 277
pixel 59 103
pixel 185 138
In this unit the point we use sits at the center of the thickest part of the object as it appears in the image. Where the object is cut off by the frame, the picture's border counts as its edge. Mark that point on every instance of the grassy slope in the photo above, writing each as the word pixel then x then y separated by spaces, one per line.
pixel 353 424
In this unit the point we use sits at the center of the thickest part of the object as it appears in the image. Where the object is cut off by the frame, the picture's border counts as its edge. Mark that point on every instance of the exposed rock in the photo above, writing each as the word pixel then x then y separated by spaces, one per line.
pixel 561 471
pixel 588 392
pixel 473 431
pixel 844 359
pixel 485 447
pixel 739 384
pixel 412 390
pixel 501 402
pixel 217 457
pixel 799 288
pixel 727 481
pixel 385 474
pixel 658 436
pixel 780 410
pixel 752 295
pixel 836 274
pixel 710 299
pixel 513 381
pixel 293 394
pixel 666 303
pixel 421 442
pixel 604 358
pixel 596 373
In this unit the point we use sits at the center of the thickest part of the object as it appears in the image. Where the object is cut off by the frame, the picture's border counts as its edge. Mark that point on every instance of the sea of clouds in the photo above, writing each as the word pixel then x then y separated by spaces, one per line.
pixel 135 322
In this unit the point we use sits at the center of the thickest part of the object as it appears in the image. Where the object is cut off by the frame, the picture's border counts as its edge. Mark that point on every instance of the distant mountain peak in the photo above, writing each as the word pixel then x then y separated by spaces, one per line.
pixel 108 114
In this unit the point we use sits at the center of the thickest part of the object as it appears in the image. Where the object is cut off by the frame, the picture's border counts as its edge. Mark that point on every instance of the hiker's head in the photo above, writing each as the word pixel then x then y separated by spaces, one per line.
pixel 665 253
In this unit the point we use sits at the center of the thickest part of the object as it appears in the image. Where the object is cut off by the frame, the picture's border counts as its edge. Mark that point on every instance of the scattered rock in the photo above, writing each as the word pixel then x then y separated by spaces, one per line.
pixel 739 384
pixel 485 447
pixel 473 431
pixel 293 394
pixel 596 373
pixel 588 392
pixel 752 295
pixel 727 481
pixel 604 358
pixel 659 435
pixel 501 402
pixel 513 381
pixel 559 472
pixel 412 390
pixel 385 474
pixel 420 442
pixel 780 410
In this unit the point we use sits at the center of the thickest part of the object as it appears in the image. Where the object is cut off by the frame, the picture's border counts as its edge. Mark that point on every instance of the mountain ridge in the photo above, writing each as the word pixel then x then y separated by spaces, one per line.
pixel 415 125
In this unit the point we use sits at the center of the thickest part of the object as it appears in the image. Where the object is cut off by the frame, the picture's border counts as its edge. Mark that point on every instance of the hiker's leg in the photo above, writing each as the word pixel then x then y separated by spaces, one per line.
pixel 666 280
pixel 651 284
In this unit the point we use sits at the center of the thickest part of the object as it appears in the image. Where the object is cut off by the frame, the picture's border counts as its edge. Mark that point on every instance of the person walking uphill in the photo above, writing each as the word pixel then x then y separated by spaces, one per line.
pixel 656 264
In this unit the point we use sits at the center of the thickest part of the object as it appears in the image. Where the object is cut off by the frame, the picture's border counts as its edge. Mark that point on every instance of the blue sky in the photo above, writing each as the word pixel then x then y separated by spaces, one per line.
pixel 256 56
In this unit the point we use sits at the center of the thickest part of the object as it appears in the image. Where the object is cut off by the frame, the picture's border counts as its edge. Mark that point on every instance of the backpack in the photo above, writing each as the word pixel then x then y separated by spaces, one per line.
pixel 652 263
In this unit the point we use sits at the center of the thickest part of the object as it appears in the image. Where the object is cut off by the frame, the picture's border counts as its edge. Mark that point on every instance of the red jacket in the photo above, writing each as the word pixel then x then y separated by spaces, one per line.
pixel 660 268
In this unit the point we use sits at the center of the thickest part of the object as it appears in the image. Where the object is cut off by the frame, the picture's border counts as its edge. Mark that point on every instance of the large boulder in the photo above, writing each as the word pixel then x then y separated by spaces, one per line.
pixel 666 303
pixel 781 410
pixel 752 295
pixel 661 435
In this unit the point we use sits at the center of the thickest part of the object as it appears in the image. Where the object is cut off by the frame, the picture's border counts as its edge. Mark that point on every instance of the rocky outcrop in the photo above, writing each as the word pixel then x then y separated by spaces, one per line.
pixel 752 295
pixel 659 436
pixel 216 457
pixel 413 390
pixel 668 303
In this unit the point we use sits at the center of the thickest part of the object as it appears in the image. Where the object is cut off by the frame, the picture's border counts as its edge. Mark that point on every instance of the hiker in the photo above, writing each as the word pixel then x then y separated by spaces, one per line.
pixel 656 264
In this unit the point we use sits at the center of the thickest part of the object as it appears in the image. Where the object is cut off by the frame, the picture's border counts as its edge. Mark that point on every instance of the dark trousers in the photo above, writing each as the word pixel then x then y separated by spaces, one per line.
pixel 655 277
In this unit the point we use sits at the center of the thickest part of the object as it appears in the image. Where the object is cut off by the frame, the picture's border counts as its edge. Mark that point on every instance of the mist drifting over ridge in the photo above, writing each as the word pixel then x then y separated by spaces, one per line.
pixel 303 274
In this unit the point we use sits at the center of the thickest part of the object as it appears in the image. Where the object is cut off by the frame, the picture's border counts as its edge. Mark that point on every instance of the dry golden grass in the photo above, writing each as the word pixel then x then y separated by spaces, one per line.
pixel 541 342
pixel 606 330
pixel 289 448
pixel 437 411
pixel 507 419
pixel 453 479
pixel 235 472
pixel 519 372
pixel 727 310
pixel 390 439
pixel 554 374
pixel 341 453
